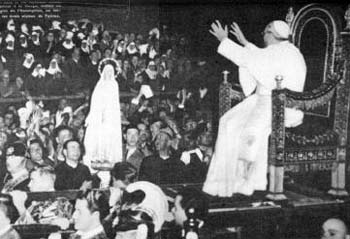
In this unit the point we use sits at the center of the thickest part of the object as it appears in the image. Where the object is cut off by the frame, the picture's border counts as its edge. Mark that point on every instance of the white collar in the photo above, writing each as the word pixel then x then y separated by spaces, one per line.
pixel 68 46
pixel 25 45
pixel 164 157
pixel 5 229
pixel 130 151
pixel 10 48
pixel 37 42
pixel 186 155
pixel 151 74
pixel 85 49
pixel 27 65
pixel 52 70
pixel 72 165
pixel 91 233
pixel 40 73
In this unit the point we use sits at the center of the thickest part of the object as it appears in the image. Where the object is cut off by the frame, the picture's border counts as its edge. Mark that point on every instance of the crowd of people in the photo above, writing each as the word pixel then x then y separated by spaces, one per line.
pixel 167 139
pixel 42 150
pixel 64 58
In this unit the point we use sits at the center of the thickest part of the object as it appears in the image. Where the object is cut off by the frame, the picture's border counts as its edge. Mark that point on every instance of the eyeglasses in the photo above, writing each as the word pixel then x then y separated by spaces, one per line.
pixel 266 32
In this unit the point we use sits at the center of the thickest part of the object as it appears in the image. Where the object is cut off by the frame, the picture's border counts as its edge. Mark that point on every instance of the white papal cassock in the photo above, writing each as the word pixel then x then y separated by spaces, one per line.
pixel 239 163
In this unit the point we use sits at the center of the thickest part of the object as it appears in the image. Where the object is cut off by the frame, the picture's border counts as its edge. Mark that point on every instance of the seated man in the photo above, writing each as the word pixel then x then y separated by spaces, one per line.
pixel 71 174
pixel 162 167
pixel 241 165
pixel 17 177
pixel 186 200
pixel 8 214
pixel 91 208
pixel 334 228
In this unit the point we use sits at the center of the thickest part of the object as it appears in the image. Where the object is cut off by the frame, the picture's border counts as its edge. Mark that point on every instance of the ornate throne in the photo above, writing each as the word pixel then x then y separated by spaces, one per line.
pixel 319 144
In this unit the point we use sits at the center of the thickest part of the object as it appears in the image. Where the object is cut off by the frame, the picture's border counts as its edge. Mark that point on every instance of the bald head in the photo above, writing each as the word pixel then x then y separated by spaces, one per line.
pixel 334 228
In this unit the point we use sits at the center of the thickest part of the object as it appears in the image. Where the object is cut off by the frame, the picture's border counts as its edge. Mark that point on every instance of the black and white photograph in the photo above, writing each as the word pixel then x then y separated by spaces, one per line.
pixel 174 119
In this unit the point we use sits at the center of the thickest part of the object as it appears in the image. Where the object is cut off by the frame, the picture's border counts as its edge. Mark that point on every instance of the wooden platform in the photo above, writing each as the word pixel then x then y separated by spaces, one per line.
pixel 301 216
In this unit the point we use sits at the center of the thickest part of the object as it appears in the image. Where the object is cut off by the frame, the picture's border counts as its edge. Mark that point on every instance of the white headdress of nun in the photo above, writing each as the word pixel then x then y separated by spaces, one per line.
pixel 39 71
pixel 56 25
pixel 152 74
pixel 24 28
pixel 11 25
pixel 10 38
pixel 28 61
pixel 68 45
pixel 53 67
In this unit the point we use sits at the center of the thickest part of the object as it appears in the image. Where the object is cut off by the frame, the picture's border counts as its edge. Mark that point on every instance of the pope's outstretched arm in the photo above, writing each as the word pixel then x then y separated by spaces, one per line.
pixel 228 48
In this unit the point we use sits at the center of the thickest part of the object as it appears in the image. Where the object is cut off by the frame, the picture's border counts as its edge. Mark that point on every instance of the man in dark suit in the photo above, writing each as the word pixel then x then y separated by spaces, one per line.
pixel 71 174
pixel 162 167
pixel 131 152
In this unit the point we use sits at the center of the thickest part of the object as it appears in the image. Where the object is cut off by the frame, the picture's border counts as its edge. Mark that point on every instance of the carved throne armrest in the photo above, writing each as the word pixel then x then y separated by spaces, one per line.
pixel 285 98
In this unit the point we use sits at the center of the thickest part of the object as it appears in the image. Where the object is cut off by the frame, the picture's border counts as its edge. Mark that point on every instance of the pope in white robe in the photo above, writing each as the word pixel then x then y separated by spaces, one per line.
pixel 239 163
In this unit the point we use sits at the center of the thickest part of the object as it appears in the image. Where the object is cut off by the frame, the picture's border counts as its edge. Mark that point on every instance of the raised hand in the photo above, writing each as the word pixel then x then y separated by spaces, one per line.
pixel 236 31
pixel 218 31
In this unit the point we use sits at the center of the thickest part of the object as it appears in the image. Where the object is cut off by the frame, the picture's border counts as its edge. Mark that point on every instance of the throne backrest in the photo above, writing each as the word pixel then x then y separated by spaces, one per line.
pixel 315 30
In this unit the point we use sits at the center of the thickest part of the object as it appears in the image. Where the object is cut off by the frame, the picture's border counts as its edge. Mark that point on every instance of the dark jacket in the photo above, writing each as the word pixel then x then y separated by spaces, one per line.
pixel 71 178
pixel 135 158
pixel 162 171
pixel 74 73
